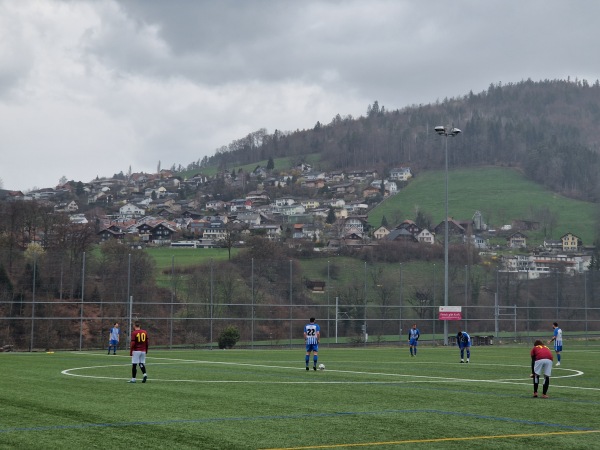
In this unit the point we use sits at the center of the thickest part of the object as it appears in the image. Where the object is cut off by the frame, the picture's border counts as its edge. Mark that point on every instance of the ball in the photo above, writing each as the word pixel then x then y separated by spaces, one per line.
pixel 321 366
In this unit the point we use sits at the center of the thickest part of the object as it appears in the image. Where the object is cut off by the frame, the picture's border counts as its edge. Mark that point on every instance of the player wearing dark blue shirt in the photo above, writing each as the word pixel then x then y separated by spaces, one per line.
pixel 312 334
pixel 463 340
pixel 413 339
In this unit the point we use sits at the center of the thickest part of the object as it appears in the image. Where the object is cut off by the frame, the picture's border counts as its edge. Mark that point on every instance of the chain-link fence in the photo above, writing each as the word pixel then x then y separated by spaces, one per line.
pixel 265 329
pixel 270 300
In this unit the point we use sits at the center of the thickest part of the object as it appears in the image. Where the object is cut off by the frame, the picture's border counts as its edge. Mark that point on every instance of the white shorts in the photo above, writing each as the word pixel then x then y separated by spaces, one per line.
pixel 139 357
pixel 543 365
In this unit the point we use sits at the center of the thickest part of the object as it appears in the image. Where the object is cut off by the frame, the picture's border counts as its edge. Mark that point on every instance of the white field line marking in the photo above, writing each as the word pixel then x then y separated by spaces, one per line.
pixel 419 378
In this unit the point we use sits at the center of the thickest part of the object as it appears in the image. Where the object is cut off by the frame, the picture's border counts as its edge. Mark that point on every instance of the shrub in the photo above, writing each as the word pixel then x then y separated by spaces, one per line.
pixel 229 337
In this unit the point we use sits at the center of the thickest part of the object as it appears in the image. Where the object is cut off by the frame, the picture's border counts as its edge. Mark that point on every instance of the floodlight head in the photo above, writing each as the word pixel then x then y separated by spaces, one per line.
pixel 440 130
pixel 454 131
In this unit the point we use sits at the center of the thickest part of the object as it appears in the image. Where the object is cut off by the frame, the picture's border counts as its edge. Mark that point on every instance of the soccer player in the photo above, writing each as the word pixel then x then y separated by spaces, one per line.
pixel 137 350
pixel 463 340
pixel 413 339
pixel 557 338
pixel 541 362
pixel 113 338
pixel 312 334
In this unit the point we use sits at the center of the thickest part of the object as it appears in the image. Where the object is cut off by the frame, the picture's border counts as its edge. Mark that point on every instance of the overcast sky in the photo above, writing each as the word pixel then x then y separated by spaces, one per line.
pixel 89 88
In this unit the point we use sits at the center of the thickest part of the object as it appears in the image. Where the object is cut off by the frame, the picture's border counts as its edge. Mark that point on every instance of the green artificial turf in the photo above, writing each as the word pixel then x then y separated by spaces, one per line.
pixel 250 399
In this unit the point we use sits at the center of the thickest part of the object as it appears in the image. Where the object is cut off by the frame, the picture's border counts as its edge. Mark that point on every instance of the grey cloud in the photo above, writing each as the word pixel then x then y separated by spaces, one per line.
pixel 188 76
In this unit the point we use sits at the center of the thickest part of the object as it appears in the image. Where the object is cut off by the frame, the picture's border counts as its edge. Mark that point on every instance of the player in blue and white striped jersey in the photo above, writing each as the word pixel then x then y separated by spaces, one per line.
pixel 413 339
pixel 312 334
pixel 557 338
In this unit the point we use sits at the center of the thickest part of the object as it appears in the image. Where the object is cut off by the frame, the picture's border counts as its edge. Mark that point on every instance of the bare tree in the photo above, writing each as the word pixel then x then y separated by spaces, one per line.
pixel 422 300
pixel 384 287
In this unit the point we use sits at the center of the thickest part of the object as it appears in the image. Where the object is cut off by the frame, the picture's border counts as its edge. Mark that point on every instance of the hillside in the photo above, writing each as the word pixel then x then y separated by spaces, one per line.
pixel 548 129
pixel 500 194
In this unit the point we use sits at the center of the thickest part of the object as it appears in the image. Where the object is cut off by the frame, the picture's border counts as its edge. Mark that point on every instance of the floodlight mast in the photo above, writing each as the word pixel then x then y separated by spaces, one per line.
pixel 452 132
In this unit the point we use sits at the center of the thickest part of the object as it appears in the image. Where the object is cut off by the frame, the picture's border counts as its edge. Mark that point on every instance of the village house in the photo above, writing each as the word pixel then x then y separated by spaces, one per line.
pixel 335 203
pixel 370 191
pixel 112 232
pixel 215 231
pixel 425 236
pixel 247 217
pixel 319 183
pixel 258 198
pixel 454 229
pixel 517 240
pixel 158 233
pixel 196 227
pixel 240 204
pixel 215 205
pixel 290 210
pixel 66 207
pixel 381 232
pixel 337 176
pixel 6 195
pixel 311 176
pixel 316 285
pixel 131 211
pixel 390 187
pixel 476 241
pixel 78 219
pixel 310 204
pixel 273 231
pixel 534 266
pixel 409 226
pixel 552 244
pixel 306 231
pixel 570 242
pixel 401 235
pixel 341 213
pixel 284 201
pixel 343 188
pixel 355 224
pixel 400 174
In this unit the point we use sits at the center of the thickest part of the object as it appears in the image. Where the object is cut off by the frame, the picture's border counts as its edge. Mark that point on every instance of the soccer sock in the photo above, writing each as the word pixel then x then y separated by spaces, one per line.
pixel 468 353
pixel 558 357
pixel 315 360
pixel 143 368
pixel 546 384
pixel 133 371
pixel 462 353
pixel 411 351
pixel 415 351
pixel 306 360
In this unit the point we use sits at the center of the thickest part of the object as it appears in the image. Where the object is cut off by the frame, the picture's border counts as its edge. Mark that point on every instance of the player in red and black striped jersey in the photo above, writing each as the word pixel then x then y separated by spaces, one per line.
pixel 541 362
pixel 137 350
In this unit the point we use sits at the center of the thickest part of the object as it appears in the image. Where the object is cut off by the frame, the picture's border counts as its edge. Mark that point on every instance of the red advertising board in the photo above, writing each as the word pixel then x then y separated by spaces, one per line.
pixel 450 313
pixel 450 316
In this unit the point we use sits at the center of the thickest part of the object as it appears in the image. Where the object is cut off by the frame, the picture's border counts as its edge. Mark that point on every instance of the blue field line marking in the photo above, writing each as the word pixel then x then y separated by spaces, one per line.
pixel 292 417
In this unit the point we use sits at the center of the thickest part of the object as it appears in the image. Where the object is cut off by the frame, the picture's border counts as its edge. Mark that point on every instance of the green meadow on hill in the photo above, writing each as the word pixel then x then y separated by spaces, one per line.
pixel 500 194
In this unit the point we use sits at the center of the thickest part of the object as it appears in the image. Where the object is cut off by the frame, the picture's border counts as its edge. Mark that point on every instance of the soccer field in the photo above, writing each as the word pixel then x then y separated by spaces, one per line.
pixel 265 399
